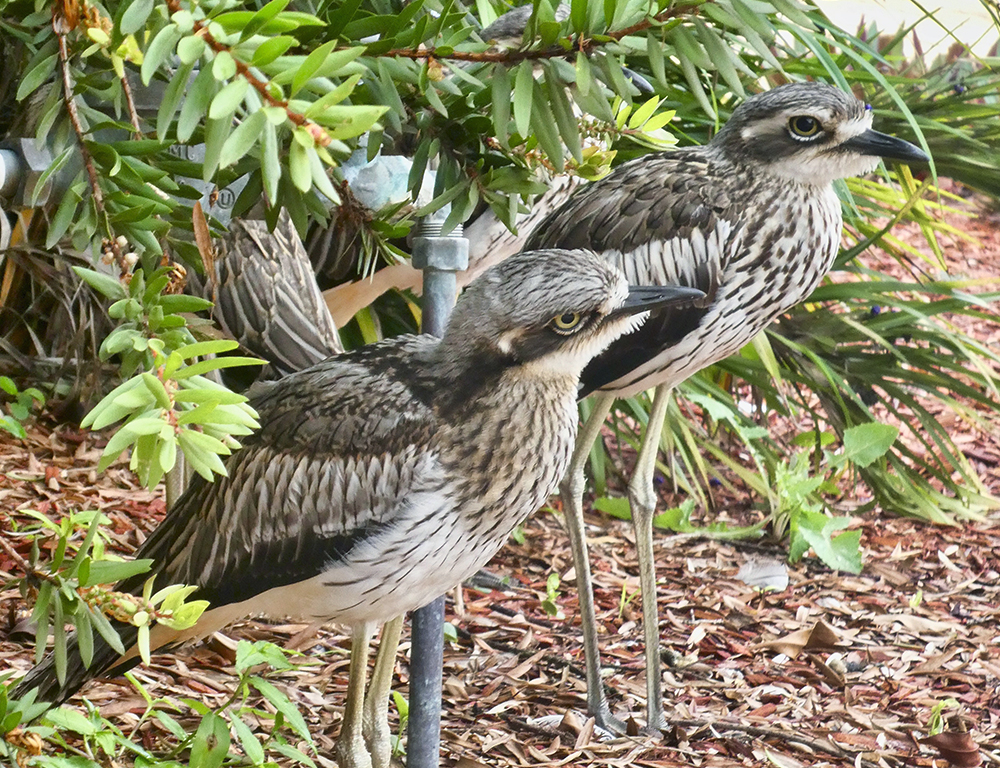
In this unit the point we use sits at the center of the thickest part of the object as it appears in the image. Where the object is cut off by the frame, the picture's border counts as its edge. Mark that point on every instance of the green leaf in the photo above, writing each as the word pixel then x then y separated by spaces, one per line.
pixel 182 302
pixel 544 123
pixel 106 631
pixel 172 97
pixel 224 66
pixel 199 96
pixel 569 128
pixel 242 139
pixel 226 101
pixel 500 89
pixel 866 443
pixel 106 285
pixel 59 638
pixel 84 633
pixel 159 49
pixel 283 705
pixel 114 571
pixel 134 17
pixel 211 742
pixel 261 17
pixel 64 216
pixel 524 91
pixel 202 348
pixel 73 720
pixel 270 162
pixel 843 552
pixel 616 506
pixel 216 133
pixel 654 50
pixel 299 167
pixel 584 76
pixel 311 66
pixel 271 49
pixel 53 168
pixel 38 74
pixel 190 49
pixel 250 743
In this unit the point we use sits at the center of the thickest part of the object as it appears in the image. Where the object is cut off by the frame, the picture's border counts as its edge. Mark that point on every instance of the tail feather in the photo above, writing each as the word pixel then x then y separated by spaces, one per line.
pixel 43 677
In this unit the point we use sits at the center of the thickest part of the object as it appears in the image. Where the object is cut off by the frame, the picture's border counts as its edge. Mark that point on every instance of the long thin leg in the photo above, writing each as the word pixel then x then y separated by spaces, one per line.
pixel 351 751
pixel 376 716
pixel 642 498
pixel 572 498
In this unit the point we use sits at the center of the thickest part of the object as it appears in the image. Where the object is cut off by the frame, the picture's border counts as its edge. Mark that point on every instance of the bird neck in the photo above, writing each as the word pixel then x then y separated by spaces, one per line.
pixel 464 381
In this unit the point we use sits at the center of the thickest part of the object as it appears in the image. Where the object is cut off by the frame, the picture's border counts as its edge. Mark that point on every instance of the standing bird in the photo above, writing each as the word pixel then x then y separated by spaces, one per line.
pixel 266 296
pixel 383 477
pixel 751 219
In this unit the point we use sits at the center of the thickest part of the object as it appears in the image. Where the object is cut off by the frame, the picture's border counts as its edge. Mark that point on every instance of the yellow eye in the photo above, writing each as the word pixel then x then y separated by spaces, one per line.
pixel 567 322
pixel 803 126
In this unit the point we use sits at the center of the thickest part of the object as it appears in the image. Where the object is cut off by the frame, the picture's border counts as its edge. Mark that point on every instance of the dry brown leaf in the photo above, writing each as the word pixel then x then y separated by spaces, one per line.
pixel 468 762
pixel 820 637
pixel 958 749
pixel 917 624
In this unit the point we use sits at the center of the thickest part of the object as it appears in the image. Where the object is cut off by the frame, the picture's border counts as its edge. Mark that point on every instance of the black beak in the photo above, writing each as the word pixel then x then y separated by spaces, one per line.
pixel 643 298
pixel 887 147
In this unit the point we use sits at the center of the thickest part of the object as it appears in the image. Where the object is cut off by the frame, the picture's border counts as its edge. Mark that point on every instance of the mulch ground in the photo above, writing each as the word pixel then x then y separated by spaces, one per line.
pixel 835 670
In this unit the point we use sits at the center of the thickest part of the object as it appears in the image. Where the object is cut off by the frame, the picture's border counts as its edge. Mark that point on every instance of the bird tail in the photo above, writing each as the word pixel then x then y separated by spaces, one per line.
pixel 45 681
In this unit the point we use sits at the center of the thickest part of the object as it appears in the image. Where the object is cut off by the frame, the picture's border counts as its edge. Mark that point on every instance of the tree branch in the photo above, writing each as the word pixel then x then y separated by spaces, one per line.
pixel 60 26
pixel 319 134
pixel 515 55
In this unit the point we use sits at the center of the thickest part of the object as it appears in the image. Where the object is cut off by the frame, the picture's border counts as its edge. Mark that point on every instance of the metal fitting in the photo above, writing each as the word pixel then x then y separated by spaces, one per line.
pixel 24 162
pixel 431 250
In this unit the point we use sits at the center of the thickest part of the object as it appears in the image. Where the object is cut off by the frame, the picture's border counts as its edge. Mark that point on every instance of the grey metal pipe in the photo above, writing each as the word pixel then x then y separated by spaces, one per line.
pixel 439 257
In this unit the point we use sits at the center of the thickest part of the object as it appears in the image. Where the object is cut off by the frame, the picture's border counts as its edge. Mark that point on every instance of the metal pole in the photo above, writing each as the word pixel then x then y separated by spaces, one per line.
pixel 439 257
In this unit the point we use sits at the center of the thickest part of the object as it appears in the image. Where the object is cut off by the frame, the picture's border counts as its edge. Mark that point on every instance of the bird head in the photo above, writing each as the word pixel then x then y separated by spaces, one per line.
pixel 553 310
pixel 809 133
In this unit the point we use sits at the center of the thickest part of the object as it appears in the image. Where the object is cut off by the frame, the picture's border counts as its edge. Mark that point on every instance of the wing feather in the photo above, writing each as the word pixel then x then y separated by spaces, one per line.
pixel 666 219
pixel 301 495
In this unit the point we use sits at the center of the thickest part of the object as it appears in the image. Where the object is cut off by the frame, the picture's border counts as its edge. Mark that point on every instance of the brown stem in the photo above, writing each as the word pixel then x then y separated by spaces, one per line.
pixel 60 27
pixel 21 562
pixel 319 135
pixel 132 112
pixel 514 55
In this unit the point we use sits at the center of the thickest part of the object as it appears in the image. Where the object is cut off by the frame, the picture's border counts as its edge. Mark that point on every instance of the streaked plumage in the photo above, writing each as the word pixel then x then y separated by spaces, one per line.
pixel 267 298
pixel 752 220
pixel 383 477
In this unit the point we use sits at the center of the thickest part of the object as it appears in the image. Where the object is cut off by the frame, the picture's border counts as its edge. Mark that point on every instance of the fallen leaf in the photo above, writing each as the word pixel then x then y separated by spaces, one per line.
pixel 957 748
pixel 917 624
pixel 820 637
pixel 765 574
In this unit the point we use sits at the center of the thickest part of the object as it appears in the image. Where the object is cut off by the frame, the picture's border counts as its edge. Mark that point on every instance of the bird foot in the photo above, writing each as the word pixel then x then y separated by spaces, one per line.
pixel 606 721
pixel 352 755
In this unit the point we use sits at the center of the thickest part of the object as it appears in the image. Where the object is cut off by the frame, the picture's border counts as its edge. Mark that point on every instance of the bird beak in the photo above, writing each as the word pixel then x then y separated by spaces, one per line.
pixel 643 298
pixel 887 147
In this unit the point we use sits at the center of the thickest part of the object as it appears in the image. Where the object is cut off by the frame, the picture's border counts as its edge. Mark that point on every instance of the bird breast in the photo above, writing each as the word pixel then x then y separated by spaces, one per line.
pixel 768 260
pixel 493 466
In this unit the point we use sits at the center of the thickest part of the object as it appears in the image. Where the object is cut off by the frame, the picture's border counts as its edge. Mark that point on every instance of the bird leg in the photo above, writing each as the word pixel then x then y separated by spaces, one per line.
pixel 642 499
pixel 376 715
pixel 571 491
pixel 351 751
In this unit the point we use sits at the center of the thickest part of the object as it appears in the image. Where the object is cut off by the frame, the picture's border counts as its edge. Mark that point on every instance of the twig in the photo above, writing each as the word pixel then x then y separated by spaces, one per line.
pixel 132 112
pixel 318 133
pixel 514 55
pixel 826 746
pixel 21 562
pixel 59 26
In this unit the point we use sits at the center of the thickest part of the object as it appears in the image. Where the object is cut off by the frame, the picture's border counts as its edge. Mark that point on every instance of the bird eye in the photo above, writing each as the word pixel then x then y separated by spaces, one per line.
pixel 567 322
pixel 803 126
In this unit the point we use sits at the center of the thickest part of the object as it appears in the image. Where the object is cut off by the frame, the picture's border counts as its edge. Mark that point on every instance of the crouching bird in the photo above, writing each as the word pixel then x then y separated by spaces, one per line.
pixel 751 219
pixel 383 477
